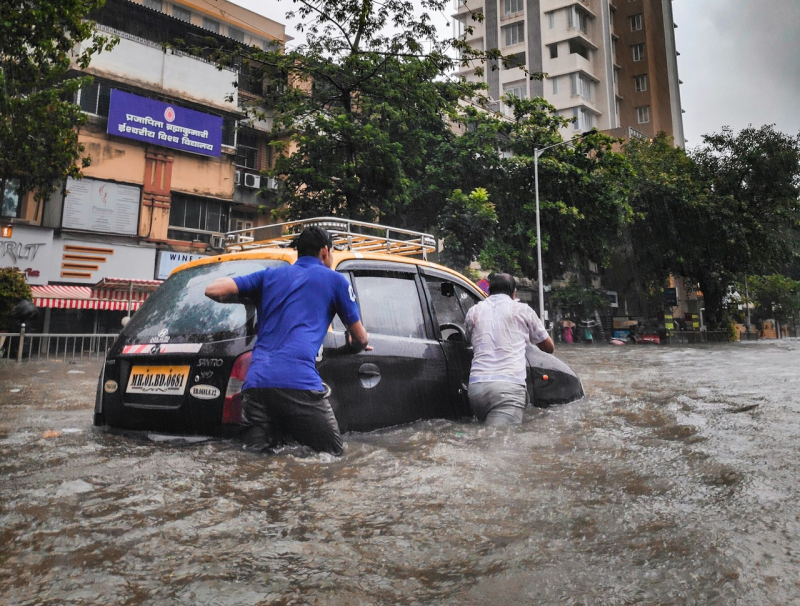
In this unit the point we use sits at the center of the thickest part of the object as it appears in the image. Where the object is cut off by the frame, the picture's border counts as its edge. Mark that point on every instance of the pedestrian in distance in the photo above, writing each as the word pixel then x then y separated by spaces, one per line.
pixel 500 329
pixel 283 394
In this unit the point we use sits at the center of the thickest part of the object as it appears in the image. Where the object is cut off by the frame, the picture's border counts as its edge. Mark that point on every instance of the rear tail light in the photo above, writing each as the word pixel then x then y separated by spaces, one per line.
pixel 232 411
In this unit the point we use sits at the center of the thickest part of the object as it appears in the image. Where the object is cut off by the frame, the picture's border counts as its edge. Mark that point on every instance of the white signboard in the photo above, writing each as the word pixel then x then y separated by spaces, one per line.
pixel 167 261
pixel 102 206
pixel 85 262
pixel 29 250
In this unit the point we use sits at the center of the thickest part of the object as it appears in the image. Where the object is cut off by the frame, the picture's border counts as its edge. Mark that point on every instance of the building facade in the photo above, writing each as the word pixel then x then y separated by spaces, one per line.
pixel 610 64
pixel 175 163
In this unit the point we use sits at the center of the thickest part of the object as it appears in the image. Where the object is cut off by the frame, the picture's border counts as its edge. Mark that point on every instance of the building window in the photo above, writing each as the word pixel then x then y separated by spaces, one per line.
pixel 229 132
pixel 576 48
pixel 578 19
pixel 618 108
pixel 517 90
pixel 511 7
pixel 643 114
pixel 9 197
pixel 638 51
pixel 554 51
pixel 236 34
pixel 551 20
pixel 582 86
pixel 154 4
pixel 95 98
pixel 641 83
pixel 514 33
pixel 211 24
pixel 636 22
pixel 584 119
pixel 247 149
pixel 193 218
pixel 555 84
pixel 514 61
pixel 181 13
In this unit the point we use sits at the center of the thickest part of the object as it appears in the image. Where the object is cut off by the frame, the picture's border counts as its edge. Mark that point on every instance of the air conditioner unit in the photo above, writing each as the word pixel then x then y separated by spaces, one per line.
pixel 272 183
pixel 251 180
pixel 218 241
pixel 237 177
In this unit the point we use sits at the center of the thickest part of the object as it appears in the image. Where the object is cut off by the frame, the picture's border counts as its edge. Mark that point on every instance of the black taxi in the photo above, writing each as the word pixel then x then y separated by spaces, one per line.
pixel 179 364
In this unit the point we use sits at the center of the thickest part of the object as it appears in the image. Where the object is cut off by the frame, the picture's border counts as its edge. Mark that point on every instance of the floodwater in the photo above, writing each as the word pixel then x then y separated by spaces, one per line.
pixel 674 482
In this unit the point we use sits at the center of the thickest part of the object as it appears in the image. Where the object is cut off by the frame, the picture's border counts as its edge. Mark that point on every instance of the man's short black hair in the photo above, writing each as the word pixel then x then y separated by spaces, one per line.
pixel 502 284
pixel 312 240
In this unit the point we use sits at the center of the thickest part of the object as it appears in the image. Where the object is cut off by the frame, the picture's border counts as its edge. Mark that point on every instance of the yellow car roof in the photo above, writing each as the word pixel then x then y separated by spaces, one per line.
pixel 290 256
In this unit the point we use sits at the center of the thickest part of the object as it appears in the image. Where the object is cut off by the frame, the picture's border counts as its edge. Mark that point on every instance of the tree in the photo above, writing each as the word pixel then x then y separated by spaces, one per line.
pixel 38 137
pixel 726 209
pixel 13 289
pixel 466 224
pixel 576 300
pixel 583 202
pixel 775 296
pixel 674 228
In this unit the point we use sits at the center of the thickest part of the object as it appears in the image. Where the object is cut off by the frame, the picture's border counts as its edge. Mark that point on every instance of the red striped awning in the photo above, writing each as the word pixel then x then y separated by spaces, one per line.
pixel 87 297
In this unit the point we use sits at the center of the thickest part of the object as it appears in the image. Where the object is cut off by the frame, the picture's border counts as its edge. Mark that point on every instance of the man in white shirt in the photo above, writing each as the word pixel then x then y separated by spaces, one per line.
pixel 501 329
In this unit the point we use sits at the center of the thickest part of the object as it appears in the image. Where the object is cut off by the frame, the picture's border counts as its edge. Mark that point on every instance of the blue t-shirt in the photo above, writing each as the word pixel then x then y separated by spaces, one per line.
pixel 296 305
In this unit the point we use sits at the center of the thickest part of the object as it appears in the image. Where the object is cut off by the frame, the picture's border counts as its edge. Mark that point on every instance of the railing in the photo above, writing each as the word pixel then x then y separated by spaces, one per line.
pixel 347 234
pixel 21 347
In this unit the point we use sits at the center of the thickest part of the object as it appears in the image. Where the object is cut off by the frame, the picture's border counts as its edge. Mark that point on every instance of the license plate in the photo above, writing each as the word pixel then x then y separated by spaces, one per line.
pixel 167 380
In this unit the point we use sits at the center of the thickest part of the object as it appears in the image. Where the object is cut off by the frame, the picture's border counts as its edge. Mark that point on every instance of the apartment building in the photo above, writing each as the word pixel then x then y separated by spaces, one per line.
pixel 174 163
pixel 611 64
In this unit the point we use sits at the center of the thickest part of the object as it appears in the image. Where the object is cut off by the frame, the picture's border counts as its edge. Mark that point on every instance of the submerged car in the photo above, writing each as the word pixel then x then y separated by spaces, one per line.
pixel 179 364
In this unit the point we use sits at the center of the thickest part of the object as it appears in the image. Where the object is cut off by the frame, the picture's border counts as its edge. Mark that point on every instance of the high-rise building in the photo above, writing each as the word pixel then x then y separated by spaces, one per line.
pixel 609 63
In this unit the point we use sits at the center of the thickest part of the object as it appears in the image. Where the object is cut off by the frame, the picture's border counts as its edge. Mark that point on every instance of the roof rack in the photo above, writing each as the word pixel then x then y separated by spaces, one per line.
pixel 346 234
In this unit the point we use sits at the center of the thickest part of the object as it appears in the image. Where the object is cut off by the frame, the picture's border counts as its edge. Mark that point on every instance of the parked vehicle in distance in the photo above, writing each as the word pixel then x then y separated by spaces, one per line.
pixel 179 364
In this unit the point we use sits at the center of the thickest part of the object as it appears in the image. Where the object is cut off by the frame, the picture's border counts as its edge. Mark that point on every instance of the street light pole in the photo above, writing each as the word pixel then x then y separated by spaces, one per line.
pixel 536 153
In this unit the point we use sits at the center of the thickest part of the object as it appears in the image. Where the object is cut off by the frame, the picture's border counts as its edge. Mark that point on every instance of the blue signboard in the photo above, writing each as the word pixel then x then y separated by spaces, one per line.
pixel 164 124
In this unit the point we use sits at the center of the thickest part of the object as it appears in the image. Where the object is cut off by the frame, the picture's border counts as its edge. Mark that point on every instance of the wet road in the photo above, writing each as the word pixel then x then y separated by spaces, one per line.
pixel 674 482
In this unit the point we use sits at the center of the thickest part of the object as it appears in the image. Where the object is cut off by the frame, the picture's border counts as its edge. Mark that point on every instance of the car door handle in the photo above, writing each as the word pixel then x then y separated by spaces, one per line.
pixel 369 370
pixel 369 375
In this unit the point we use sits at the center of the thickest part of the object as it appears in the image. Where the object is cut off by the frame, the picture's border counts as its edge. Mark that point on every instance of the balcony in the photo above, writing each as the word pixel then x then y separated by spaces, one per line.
pixel 148 65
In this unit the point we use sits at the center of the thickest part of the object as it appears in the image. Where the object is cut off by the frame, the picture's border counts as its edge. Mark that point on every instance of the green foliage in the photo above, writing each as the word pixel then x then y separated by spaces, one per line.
pixel 13 289
pixel 582 187
pixel 465 225
pixel 576 300
pixel 773 296
pixel 38 136
pixel 727 208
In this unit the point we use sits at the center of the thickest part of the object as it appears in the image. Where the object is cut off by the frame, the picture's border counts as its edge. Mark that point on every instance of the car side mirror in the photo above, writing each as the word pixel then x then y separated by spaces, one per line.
pixel 448 289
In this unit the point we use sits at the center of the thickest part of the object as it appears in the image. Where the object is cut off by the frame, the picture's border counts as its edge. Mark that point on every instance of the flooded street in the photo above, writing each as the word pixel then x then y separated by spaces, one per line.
pixel 674 482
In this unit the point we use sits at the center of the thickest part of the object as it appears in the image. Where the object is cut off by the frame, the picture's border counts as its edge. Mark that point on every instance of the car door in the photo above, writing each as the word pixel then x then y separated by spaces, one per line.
pixel 449 302
pixel 404 377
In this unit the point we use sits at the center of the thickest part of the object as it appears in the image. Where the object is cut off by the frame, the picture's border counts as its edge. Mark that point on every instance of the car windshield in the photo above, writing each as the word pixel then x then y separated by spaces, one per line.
pixel 179 312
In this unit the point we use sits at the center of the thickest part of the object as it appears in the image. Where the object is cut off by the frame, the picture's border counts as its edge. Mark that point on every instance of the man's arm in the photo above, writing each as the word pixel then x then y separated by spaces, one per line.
pixel 223 290
pixel 547 346
pixel 357 337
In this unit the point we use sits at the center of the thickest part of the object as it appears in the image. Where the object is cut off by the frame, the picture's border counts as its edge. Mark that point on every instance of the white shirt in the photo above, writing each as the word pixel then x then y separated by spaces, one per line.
pixel 501 329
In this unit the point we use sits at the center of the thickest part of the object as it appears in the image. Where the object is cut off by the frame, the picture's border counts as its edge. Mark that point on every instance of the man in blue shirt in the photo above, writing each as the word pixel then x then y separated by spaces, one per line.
pixel 283 393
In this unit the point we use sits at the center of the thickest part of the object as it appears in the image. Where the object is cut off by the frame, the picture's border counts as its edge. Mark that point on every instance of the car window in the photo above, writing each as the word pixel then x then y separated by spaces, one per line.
pixel 445 304
pixel 337 323
pixel 466 298
pixel 390 304
pixel 180 312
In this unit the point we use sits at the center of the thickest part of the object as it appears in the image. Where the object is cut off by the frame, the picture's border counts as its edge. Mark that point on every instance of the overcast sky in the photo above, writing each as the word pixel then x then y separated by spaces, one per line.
pixel 739 61
pixel 740 64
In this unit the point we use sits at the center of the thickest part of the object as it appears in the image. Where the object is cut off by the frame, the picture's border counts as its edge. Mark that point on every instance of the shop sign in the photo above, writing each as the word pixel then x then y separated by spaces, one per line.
pixel 164 124
pixel 88 262
pixel 28 250
pixel 168 261
pixel 101 206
